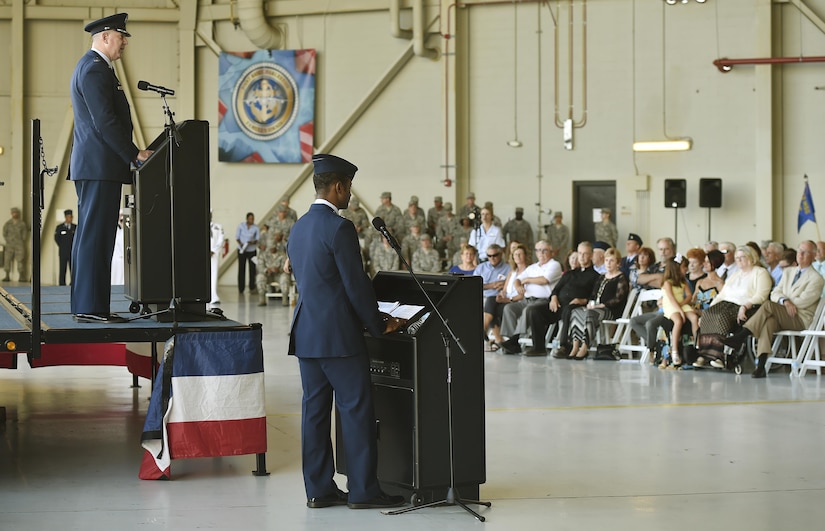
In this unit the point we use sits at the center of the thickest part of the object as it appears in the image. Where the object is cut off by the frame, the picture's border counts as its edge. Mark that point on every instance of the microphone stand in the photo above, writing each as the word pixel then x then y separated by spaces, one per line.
pixel 174 141
pixel 453 497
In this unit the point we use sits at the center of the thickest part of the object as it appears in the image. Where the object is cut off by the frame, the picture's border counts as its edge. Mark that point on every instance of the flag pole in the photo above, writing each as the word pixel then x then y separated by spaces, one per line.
pixel 816 223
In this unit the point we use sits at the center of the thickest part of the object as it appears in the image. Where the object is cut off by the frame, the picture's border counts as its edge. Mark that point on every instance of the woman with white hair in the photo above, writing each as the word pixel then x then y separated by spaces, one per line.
pixel 738 300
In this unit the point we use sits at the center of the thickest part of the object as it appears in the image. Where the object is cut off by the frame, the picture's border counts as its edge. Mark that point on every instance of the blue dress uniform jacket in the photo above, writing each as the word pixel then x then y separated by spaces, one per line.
pixel 103 147
pixel 101 154
pixel 336 302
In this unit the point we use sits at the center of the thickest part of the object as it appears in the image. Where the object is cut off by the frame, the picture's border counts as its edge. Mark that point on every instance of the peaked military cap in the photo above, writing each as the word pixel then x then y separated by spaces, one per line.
pixel 112 22
pixel 325 163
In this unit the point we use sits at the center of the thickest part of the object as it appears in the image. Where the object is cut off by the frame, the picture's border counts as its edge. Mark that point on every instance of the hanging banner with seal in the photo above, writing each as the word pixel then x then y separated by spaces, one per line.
pixel 266 106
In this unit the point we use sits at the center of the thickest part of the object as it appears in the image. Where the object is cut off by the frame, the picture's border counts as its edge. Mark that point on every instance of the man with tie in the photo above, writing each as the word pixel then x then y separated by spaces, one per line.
pixel 336 304
pixel 792 306
pixel 63 237
pixel 102 153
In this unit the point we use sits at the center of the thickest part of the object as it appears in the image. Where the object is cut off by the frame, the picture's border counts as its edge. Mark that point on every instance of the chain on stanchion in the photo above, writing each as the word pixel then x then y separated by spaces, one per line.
pixel 45 170
pixel 48 171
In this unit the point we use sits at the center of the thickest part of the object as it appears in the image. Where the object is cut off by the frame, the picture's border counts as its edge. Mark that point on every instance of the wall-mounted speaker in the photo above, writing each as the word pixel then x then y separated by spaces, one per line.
pixel 675 193
pixel 710 193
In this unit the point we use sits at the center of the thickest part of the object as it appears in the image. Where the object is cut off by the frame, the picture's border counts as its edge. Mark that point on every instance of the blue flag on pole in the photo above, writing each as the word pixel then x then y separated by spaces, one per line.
pixel 806 207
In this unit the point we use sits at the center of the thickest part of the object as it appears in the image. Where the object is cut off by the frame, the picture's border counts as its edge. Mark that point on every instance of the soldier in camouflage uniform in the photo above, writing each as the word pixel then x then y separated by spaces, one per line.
pixel 281 222
pixel 290 212
pixel 411 242
pixel 468 207
pixel 359 218
pixel 413 214
pixel 447 232
pixel 383 257
pixel 391 215
pixel 363 227
pixel 15 233
pixel 426 259
pixel 271 269
pixel 518 230
pixel 434 214
pixel 558 234
pixel 606 230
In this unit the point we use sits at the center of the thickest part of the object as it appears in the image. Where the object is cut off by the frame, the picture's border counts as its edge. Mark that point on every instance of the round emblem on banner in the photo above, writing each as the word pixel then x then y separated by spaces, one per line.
pixel 265 100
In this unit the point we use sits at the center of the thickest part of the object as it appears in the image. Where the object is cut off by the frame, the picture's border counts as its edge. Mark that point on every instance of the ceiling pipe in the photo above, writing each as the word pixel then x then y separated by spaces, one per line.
pixel 395 22
pixel 255 26
pixel 419 31
pixel 726 65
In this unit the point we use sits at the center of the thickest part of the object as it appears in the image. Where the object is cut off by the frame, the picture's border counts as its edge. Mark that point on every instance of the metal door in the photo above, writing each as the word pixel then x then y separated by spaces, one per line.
pixel 589 197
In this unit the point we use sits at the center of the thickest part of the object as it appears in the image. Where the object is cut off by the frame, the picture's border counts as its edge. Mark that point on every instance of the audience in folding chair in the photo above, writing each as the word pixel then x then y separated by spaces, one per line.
pixel 607 300
pixel 536 283
pixel 493 311
pixel 571 291
pixel 738 300
pixel 646 326
pixel 645 263
pixel 791 306
pixel 710 286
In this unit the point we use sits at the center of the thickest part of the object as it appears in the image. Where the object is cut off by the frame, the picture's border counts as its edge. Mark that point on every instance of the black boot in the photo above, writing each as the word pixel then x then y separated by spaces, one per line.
pixel 759 372
pixel 738 339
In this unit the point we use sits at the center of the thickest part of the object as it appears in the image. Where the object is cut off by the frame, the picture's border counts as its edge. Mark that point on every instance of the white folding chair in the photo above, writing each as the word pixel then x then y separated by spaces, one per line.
pixel 810 355
pixel 795 357
pixel 620 322
pixel 624 342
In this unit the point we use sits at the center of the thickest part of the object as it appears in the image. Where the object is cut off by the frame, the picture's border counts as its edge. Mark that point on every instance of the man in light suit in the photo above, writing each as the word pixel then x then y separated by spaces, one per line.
pixel 336 303
pixel 102 152
pixel 792 306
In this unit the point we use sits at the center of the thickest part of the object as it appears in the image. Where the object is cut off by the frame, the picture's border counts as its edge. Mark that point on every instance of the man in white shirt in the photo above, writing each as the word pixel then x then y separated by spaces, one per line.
pixel 773 254
pixel 537 283
pixel 729 267
pixel 599 248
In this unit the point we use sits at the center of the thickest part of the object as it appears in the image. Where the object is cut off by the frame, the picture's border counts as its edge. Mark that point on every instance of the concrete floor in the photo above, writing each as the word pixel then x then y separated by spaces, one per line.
pixel 570 445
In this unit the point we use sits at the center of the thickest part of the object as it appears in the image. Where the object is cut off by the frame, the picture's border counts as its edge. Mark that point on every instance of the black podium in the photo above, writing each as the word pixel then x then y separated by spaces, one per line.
pixel 148 227
pixel 409 378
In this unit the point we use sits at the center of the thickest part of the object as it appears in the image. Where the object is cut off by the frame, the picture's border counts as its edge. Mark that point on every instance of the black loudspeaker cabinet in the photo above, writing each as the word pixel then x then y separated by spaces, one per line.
pixel 675 193
pixel 710 193
pixel 409 374
pixel 148 233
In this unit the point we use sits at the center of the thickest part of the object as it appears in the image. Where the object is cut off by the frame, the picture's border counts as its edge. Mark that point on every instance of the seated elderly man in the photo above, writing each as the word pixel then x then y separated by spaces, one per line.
pixel 647 324
pixel 792 306
pixel 536 283
pixel 571 292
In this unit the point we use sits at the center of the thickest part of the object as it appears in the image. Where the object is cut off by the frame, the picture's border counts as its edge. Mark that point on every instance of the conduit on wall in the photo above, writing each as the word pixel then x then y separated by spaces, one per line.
pixel 418 33
pixel 726 65
pixel 255 26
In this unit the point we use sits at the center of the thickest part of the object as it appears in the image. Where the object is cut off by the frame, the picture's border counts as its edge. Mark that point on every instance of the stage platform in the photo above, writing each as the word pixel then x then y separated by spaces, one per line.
pixel 57 325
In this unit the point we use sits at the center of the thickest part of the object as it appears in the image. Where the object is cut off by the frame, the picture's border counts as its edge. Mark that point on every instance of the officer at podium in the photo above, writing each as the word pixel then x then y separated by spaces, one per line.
pixel 102 153
pixel 336 303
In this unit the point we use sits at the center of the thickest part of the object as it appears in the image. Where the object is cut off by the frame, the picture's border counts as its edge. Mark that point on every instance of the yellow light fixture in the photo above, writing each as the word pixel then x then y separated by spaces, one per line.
pixel 683 144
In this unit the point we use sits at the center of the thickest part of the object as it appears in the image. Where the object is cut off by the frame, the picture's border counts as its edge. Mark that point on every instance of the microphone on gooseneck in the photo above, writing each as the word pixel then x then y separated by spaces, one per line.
pixel 163 91
pixel 381 227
